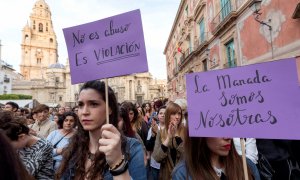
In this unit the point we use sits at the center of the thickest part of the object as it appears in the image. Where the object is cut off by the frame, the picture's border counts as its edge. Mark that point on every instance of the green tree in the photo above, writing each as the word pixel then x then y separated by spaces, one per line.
pixel 14 96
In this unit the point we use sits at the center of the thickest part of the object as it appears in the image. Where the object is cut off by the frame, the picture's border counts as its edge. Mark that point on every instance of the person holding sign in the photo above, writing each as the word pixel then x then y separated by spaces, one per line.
pixel 168 147
pixel 210 158
pixel 98 150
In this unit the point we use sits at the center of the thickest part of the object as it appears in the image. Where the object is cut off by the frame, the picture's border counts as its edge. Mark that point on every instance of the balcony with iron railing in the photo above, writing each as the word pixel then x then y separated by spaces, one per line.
pixel 201 42
pixel 225 16
pixel 230 64
pixel 186 55
pixel 175 71
pixel 188 51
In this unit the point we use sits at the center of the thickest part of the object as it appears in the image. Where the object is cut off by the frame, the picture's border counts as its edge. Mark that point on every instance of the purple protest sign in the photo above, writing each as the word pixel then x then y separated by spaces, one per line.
pixel 109 47
pixel 259 101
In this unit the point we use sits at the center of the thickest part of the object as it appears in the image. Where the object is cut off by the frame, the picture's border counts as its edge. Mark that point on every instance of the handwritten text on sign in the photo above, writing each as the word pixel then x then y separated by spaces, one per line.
pixel 107 48
pixel 261 101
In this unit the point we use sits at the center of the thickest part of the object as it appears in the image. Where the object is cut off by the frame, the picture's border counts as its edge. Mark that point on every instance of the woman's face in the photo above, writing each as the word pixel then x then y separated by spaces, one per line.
pixel 147 107
pixel 152 104
pixel 76 111
pixel 68 123
pixel 161 115
pixel 34 116
pixel 131 115
pixel 19 113
pixel 55 118
pixel 175 118
pixel 92 110
pixel 219 146
pixel 137 105
pixel 140 109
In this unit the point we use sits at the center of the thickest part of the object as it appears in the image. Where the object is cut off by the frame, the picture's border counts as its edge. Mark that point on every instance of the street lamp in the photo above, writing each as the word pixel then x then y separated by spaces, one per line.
pixel 255 6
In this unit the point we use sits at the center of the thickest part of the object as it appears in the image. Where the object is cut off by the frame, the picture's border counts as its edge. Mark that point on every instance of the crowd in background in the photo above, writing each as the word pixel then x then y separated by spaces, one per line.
pixel 141 141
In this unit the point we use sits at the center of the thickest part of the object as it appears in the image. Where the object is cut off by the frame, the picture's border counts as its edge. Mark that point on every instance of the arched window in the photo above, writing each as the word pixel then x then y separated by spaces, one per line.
pixel 51 40
pixel 40 27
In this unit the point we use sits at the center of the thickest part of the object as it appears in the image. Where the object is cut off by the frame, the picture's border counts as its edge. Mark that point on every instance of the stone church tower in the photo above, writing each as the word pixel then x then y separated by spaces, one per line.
pixel 49 82
pixel 39 44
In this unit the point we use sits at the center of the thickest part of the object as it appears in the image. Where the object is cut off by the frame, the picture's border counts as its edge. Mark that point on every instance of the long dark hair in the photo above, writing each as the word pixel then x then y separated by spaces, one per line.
pixel 11 166
pixel 198 161
pixel 13 126
pixel 77 151
pixel 126 129
pixel 137 119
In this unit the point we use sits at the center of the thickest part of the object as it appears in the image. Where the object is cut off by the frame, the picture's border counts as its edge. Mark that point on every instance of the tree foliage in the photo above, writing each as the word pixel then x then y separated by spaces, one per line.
pixel 14 96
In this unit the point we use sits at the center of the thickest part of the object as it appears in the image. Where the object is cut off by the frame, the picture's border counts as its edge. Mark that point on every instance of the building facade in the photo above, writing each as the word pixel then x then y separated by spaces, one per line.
pixel 49 82
pixel 39 44
pixel 6 75
pixel 43 77
pixel 216 34
pixel 139 88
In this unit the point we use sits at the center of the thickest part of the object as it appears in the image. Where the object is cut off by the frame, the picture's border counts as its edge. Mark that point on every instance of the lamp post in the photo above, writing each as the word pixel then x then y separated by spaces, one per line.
pixel 255 6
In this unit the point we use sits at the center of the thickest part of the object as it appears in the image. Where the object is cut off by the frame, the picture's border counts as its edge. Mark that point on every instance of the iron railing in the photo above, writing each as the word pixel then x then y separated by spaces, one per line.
pixel 230 7
pixel 230 64
pixel 201 40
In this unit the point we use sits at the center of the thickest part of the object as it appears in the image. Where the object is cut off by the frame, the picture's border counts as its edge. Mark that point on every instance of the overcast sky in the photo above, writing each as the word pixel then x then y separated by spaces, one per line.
pixel 157 19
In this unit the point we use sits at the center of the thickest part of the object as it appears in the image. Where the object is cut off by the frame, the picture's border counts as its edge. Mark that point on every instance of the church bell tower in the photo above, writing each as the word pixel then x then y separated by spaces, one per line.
pixel 39 44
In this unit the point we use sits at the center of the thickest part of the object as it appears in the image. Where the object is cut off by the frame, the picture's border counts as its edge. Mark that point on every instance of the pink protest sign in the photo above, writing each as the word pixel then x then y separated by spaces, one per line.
pixel 259 101
pixel 109 47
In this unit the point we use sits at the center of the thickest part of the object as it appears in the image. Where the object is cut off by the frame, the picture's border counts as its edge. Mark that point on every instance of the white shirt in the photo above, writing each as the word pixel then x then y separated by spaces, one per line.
pixel 251 148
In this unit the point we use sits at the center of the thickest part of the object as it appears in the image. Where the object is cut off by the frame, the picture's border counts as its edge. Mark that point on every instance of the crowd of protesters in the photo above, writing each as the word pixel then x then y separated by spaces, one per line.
pixel 141 141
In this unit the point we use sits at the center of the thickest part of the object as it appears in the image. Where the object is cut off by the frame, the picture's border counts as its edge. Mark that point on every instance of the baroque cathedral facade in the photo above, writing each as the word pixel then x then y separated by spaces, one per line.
pixel 49 82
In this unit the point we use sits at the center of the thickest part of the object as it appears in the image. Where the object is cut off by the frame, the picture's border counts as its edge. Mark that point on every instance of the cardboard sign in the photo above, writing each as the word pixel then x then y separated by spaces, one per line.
pixel 259 101
pixel 109 47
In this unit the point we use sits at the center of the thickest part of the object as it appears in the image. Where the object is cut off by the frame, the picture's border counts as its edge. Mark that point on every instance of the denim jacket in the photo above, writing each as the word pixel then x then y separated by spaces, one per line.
pixel 179 172
pixel 137 170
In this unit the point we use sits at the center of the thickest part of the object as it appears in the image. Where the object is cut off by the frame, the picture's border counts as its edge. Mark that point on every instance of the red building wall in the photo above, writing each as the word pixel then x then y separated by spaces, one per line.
pixel 255 44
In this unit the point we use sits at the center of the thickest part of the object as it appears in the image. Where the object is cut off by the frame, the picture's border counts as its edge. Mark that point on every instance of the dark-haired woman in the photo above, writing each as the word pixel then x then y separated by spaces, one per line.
pixel 34 152
pixel 210 158
pixel 60 138
pixel 137 123
pixel 98 150
pixel 168 147
pixel 11 167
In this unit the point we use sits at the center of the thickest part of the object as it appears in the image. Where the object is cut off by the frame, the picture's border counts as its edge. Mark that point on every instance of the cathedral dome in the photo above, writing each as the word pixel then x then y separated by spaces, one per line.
pixel 56 66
